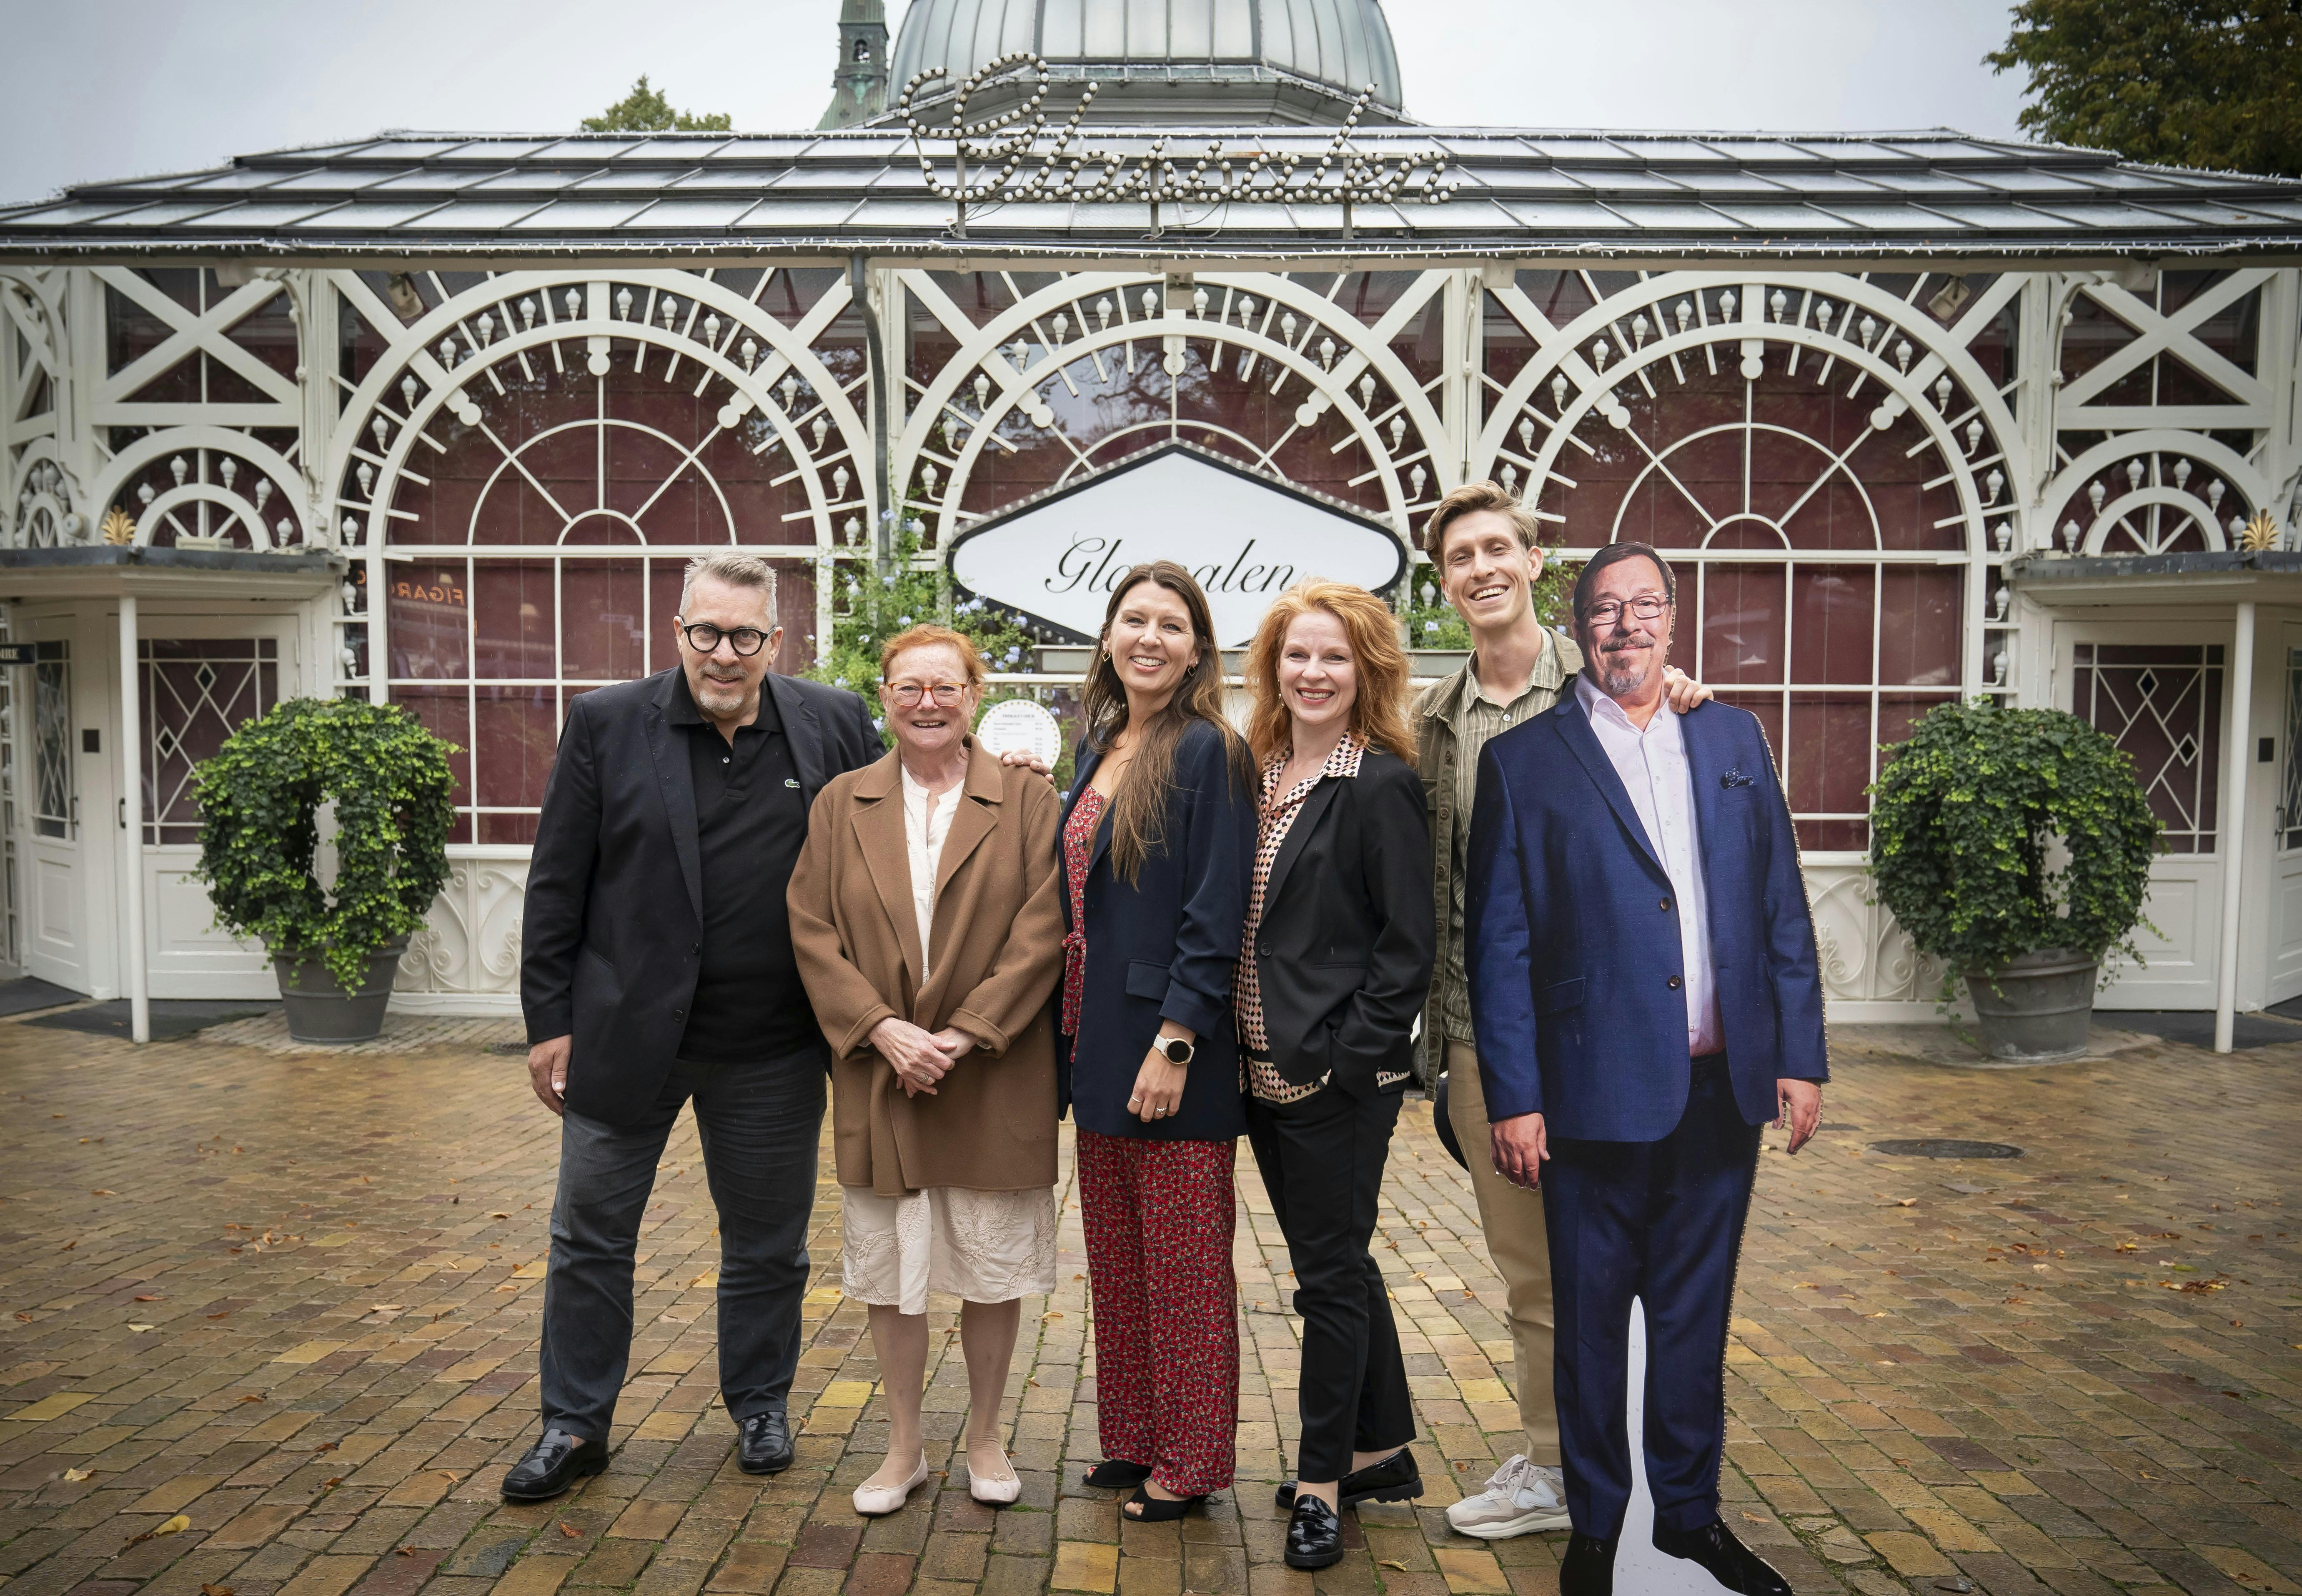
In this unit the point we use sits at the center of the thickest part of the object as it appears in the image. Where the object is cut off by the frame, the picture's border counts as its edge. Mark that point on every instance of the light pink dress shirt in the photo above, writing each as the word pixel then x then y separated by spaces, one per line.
pixel 1653 764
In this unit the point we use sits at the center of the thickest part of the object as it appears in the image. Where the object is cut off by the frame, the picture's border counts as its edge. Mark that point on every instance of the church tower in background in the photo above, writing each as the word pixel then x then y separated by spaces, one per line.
pixel 859 82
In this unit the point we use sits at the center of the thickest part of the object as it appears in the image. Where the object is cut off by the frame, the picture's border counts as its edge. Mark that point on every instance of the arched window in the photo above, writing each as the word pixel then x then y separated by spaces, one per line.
pixel 862 50
pixel 1818 459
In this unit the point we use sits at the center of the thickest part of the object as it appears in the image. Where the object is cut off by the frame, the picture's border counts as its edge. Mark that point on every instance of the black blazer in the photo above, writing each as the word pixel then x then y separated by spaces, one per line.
pixel 1343 955
pixel 608 948
pixel 1164 948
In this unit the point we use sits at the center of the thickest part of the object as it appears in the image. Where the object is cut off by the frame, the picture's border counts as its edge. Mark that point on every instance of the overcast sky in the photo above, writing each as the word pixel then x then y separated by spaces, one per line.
pixel 114 88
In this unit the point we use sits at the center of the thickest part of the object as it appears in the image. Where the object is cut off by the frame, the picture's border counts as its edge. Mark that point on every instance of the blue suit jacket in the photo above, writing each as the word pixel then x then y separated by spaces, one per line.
pixel 1571 934
pixel 1164 948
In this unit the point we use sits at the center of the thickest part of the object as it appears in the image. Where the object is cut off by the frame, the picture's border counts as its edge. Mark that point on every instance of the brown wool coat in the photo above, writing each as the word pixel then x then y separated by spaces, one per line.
pixel 997 935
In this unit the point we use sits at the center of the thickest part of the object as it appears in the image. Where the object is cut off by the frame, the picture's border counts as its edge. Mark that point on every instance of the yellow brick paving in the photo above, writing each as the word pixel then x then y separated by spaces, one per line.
pixel 291 1300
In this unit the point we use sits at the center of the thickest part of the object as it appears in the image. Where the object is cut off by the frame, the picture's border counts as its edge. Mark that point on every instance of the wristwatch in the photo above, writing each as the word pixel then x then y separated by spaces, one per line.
pixel 1175 1050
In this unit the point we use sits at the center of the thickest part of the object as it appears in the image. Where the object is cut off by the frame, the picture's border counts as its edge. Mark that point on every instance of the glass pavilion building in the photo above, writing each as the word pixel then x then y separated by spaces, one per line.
pixel 438 418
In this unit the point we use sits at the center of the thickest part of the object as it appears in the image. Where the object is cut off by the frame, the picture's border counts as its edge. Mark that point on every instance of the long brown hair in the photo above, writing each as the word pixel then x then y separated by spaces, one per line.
pixel 1379 706
pixel 1139 809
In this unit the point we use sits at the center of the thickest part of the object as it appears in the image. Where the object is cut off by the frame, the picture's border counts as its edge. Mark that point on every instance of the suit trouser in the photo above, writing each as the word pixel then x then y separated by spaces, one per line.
pixel 758 1123
pixel 1661 1222
pixel 1512 1219
pixel 1321 1160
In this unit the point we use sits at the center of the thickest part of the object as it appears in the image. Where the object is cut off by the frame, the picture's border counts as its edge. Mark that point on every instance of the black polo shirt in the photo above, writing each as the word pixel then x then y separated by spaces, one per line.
pixel 751 817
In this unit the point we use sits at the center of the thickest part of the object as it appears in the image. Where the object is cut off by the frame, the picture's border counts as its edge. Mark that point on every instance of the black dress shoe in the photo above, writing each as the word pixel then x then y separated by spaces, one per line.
pixel 553 1465
pixel 763 1443
pixel 1588 1568
pixel 1315 1535
pixel 1395 1479
pixel 1729 1562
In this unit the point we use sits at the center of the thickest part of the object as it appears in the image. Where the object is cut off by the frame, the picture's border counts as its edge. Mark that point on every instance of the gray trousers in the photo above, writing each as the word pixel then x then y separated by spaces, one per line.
pixel 758 1123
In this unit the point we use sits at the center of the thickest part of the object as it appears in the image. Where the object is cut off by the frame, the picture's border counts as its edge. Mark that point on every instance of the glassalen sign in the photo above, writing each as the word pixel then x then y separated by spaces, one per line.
pixel 1245 537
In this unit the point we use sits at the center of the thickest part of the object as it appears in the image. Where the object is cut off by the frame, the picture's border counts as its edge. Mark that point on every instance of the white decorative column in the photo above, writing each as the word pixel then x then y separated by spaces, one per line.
pixel 131 773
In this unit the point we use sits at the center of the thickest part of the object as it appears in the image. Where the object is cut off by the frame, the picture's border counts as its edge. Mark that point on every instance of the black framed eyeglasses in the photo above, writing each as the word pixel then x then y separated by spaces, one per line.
pixel 1647 607
pixel 704 638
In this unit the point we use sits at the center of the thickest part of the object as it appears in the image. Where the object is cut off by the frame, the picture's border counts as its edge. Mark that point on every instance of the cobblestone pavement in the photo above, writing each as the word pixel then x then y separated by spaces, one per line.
pixel 270 1326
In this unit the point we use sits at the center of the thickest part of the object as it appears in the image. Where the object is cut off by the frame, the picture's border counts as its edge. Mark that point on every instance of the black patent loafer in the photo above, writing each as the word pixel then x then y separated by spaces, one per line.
pixel 763 1443
pixel 1588 1568
pixel 553 1465
pixel 1395 1479
pixel 1726 1559
pixel 1315 1535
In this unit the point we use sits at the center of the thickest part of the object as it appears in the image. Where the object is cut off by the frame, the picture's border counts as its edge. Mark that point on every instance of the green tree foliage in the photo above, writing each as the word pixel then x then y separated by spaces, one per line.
pixel 2202 83
pixel 1964 823
pixel 644 110
pixel 260 796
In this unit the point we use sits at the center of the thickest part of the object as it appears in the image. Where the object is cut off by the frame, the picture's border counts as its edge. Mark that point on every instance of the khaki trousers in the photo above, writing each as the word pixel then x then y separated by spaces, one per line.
pixel 1512 1218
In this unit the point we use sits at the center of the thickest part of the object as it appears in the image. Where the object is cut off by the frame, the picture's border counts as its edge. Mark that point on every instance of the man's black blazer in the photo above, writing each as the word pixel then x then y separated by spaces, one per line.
pixel 1344 953
pixel 609 944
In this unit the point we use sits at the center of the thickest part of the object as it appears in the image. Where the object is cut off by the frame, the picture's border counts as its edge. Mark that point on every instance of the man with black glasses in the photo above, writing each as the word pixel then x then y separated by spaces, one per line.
pixel 657 967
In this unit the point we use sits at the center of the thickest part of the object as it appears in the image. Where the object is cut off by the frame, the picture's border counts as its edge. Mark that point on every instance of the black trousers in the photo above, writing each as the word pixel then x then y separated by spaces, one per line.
pixel 758 1123
pixel 1661 1222
pixel 1321 1162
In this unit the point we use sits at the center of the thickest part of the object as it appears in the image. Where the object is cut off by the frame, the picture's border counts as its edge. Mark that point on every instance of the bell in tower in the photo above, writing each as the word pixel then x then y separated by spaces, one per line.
pixel 859 83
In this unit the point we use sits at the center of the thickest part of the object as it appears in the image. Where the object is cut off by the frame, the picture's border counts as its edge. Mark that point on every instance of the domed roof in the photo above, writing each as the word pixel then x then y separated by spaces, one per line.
pixel 1223 61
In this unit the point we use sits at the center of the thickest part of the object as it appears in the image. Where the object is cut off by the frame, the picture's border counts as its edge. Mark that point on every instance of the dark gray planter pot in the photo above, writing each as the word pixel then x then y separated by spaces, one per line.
pixel 321 1011
pixel 2037 1008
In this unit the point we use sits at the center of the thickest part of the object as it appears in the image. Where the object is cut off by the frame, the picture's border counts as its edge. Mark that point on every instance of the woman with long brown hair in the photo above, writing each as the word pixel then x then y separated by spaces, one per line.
pixel 1158 833
pixel 1335 961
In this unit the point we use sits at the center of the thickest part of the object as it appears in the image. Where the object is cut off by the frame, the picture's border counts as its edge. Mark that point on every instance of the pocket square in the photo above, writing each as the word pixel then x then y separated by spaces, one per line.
pixel 1733 779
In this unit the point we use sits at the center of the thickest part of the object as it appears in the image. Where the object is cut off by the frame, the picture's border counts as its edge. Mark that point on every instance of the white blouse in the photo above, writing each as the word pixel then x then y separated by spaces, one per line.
pixel 927 821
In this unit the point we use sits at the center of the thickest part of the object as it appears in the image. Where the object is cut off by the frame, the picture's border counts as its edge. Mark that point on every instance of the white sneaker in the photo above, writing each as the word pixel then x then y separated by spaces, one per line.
pixel 1522 1499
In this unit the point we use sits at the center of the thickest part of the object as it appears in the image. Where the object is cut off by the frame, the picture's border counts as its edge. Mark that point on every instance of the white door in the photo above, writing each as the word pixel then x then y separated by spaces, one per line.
pixel 199 679
pixel 67 824
pixel 2160 691
pixel 55 920
pixel 2286 866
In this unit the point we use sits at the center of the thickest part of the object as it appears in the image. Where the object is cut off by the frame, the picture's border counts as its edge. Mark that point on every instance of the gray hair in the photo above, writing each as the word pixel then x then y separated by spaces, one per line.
pixel 736 570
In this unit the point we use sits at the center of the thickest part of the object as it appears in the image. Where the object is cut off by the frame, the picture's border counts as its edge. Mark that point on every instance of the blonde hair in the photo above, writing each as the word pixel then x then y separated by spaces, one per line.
pixel 928 636
pixel 1378 662
pixel 1472 497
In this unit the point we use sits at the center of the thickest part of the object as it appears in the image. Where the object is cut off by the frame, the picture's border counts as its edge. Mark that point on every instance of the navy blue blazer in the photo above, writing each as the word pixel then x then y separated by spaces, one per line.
pixel 1164 949
pixel 1572 935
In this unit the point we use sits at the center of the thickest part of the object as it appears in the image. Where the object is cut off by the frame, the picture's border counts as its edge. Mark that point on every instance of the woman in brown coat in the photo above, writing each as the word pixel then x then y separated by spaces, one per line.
pixel 926 915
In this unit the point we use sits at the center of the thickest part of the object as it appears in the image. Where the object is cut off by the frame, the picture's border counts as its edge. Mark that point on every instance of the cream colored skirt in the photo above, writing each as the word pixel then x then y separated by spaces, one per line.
pixel 982 1245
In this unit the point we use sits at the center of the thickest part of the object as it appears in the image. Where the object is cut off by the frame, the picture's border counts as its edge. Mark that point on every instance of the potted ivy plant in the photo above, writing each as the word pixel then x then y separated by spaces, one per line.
pixel 260 798
pixel 2015 846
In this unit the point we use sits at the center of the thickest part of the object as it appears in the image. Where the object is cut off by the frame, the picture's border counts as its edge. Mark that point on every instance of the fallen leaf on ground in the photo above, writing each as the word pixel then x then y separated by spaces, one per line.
pixel 1389 1563
pixel 142 1329
pixel 570 1531
pixel 499 1214
pixel 1906 1202
pixel 27 1318
pixel 216 1590
pixel 151 1300
pixel 405 1552
pixel 225 1314
pixel 76 1474
pixel 174 1527
pixel 103 1191
pixel 251 1396
pixel 325 1446
pixel 1756 1517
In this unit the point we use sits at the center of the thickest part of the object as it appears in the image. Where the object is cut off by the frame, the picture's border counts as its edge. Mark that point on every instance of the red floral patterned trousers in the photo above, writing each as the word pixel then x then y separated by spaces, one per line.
pixel 1158 1218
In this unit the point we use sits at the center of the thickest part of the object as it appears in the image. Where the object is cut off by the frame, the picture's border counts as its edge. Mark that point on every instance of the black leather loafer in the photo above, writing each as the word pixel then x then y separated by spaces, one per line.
pixel 1727 1561
pixel 1315 1535
pixel 1395 1479
pixel 553 1465
pixel 1588 1569
pixel 763 1443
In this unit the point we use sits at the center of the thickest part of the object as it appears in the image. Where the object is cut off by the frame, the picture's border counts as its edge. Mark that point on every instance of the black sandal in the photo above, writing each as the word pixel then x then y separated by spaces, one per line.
pixel 1116 1474
pixel 1157 1510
